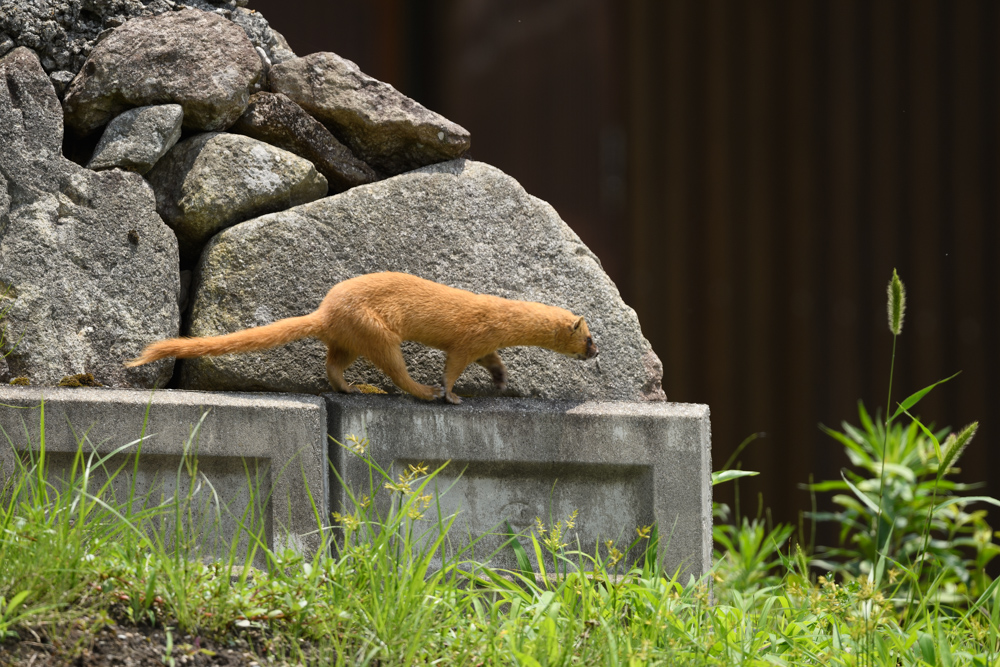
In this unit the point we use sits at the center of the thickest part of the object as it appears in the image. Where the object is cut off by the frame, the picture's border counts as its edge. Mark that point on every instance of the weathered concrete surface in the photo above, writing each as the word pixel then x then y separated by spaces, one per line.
pixel 380 125
pixel 88 270
pixel 622 465
pixel 278 440
pixel 137 138
pixel 461 223
pixel 193 58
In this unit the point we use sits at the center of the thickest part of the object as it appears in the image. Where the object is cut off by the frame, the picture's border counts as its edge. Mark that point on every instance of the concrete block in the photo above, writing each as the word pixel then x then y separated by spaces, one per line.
pixel 277 442
pixel 622 465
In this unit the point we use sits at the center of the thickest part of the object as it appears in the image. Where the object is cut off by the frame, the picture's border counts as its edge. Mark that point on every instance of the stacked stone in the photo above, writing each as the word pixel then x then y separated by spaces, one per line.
pixel 271 177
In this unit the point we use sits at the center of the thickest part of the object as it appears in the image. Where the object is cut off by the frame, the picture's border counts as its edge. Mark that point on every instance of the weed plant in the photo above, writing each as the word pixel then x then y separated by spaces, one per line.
pixel 916 488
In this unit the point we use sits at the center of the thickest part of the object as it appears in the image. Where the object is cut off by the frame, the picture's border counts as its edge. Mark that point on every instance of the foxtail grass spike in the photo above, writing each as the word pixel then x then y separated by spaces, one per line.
pixel 955 445
pixel 897 304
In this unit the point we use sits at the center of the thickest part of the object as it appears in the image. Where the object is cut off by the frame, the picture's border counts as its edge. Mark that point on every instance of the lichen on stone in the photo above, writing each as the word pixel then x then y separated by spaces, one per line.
pixel 79 380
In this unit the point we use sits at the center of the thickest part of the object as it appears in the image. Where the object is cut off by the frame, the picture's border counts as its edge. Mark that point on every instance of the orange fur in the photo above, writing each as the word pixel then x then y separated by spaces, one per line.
pixel 371 315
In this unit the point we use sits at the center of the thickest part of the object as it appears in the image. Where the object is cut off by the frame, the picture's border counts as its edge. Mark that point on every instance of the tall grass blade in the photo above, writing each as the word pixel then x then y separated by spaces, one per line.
pixel 726 475
pixel 862 496
pixel 915 397
pixel 520 555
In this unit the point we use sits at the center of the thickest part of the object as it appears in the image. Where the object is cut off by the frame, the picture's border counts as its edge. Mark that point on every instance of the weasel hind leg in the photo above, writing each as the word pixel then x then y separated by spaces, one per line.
pixel 337 361
pixel 494 364
pixel 453 367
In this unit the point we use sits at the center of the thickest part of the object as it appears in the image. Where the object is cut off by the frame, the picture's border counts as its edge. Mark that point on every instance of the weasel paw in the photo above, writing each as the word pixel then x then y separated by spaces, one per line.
pixel 452 398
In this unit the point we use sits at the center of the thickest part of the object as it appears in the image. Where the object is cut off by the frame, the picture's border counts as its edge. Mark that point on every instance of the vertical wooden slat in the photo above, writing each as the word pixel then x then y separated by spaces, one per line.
pixel 643 179
pixel 888 120
pixel 716 247
pixel 798 368
pixel 842 254
pixel 675 291
pixel 968 305
pixel 389 60
pixel 990 283
pixel 759 322
pixel 923 352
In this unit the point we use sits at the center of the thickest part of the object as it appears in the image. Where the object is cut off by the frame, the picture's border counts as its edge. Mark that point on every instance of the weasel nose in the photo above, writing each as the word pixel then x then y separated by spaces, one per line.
pixel 591 351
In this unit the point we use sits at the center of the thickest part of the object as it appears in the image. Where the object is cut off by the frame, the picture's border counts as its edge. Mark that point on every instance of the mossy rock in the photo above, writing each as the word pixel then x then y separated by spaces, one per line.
pixel 79 380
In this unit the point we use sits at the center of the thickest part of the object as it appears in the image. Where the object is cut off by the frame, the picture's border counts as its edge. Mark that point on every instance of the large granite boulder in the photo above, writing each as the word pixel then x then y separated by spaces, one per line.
pixel 383 127
pixel 281 122
pixel 214 180
pixel 193 58
pixel 462 223
pixel 138 138
pixel 88 270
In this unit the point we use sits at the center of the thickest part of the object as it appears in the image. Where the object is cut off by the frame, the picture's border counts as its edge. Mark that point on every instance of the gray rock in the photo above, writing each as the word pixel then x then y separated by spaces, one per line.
pixel 214 180
pixel 274 118
pixel 65 31
pixel 88 271
pixel 32 127
pixel 193 58
pixel 61 80
pixel 461 223
pixel 280 55
pixel 6 44
pixel 379 124
pixel 262 35
pixel 136 139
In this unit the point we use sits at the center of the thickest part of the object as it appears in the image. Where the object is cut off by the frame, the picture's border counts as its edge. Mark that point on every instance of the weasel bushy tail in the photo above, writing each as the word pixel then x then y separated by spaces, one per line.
pixel 257 338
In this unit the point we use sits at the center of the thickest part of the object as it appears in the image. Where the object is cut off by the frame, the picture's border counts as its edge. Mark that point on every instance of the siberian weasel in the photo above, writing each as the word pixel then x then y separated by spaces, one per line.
pixel 371 315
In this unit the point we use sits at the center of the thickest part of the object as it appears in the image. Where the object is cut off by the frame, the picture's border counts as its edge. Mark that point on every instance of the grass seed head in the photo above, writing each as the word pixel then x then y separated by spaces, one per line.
pixel 956 444
pixel 897 304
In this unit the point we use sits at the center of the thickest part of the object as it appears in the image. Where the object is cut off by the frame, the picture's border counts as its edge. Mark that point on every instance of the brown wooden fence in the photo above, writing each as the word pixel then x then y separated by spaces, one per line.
pixel 785 157
pixel 750 174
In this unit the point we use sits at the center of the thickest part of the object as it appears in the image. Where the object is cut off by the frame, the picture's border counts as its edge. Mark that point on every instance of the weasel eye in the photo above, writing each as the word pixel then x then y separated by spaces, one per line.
pixel 590 341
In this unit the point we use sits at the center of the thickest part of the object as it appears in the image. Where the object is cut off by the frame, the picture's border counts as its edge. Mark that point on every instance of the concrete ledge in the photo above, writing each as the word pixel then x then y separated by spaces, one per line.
pixel 622 465
pixel 277 441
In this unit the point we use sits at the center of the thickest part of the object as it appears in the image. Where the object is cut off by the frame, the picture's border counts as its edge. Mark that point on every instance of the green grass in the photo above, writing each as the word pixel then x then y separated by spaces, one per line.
pixel 71 549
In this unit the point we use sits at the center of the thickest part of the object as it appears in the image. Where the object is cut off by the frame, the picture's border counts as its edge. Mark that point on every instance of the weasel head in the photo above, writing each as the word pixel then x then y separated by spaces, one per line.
pixel 579 342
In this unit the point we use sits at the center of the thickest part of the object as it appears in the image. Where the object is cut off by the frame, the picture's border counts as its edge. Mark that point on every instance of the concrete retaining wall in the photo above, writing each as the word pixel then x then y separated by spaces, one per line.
pixel 276 442
pixel 620 465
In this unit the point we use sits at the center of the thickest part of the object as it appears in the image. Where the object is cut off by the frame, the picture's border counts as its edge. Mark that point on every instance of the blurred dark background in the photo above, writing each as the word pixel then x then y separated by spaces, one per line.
pixel 749 173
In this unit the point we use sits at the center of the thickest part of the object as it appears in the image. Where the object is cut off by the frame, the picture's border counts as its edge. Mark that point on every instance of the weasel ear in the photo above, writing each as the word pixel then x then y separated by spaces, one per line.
pixel 576 325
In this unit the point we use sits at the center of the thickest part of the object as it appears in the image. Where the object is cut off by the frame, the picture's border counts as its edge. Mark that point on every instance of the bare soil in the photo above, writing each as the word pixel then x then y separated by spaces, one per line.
pixel 89 643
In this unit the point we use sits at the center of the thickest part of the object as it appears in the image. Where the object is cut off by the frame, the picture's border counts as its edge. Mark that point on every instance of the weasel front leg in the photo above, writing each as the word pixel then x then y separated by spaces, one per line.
pixel 494 365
